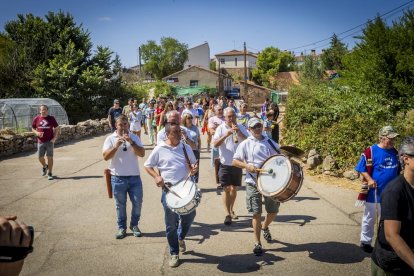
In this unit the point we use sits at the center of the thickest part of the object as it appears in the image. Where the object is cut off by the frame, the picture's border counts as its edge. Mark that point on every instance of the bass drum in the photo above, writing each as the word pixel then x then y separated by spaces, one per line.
pixel 190 197
pixel 280 178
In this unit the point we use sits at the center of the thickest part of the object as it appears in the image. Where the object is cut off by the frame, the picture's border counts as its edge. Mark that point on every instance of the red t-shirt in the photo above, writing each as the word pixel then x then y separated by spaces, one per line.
pixel 158 111
pixel 45 125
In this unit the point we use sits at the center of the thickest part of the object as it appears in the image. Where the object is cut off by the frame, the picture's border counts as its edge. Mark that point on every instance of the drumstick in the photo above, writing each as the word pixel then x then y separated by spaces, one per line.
pixel 174 193
pixel 189 174
pixel 265 171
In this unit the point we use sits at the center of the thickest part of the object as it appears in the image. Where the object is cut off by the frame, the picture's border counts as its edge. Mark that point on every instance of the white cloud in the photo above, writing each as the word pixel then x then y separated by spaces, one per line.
pixel 105 18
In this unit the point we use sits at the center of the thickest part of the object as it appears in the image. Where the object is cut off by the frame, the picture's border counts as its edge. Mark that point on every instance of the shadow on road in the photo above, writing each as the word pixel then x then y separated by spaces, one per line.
pixel 327 252
pixel 79 177
pixel 302 198
pixel 301 220
pixel 237 263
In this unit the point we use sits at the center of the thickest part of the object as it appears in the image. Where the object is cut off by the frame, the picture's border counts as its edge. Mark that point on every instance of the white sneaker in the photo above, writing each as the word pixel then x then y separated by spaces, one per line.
pixel 173 261
pixel 181 243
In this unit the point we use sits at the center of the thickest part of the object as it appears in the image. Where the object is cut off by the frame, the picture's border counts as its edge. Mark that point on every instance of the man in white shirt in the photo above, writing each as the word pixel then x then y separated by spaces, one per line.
pixel 173 117
pixel 121 148
pixel 250 155
pixel 226 139
pixel 169 158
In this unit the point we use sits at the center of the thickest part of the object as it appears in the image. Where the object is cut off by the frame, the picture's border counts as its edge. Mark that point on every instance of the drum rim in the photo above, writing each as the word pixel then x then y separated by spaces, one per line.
pixel 280 191
pixel 168 195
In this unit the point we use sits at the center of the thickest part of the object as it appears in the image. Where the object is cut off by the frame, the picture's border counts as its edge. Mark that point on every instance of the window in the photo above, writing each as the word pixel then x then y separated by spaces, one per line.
pixel 193 83
pixel 222 61
pixel 235 62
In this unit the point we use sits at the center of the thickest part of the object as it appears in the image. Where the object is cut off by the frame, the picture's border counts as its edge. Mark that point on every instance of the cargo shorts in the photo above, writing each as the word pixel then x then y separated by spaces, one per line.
pixel 46 147
pixel 254 201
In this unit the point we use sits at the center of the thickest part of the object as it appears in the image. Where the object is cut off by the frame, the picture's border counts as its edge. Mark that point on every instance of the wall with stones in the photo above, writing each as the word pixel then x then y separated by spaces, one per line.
pixel 11 143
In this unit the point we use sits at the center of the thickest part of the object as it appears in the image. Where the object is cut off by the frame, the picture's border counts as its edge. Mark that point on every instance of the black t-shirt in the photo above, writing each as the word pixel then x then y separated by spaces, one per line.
pixel 114 113
pixel 397 203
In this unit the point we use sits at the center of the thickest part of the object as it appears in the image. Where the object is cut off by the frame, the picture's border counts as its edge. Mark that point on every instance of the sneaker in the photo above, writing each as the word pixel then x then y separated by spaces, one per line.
pixel 44 170
pixel 181 243
pixel 366 247
pixel 227 220
pixel 257 250
pixel 266 235
pixel 135 231
pixel 234 216
pixel 50 176
pixel 173 261
pixel 121 234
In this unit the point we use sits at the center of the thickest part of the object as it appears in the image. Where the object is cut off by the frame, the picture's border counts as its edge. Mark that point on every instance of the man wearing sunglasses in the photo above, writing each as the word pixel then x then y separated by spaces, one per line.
pixel 378 165
pixel 173 117
pixel 250 155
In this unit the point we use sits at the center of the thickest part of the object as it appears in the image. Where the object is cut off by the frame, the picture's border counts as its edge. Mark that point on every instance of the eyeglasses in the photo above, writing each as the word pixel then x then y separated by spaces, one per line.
pixel 257 126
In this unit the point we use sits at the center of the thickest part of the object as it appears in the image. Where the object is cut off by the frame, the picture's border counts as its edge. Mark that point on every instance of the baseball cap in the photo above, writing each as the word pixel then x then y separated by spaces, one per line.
pixel 388 131
pixel 253 121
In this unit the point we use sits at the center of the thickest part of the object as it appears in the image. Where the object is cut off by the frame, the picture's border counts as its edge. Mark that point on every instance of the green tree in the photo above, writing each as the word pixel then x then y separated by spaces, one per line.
pixel 311 69
pixel 213 65
pixel 332 57
pixel 269 62
pixel 164 59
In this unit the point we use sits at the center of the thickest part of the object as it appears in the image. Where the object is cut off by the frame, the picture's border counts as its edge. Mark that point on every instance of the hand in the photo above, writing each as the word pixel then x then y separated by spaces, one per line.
pixel 251 168
pixel 40 134
pixel 159 181
pixel 119 142
pixel 127 138
pixel 53 140
pixel 372 183
pixel 194 169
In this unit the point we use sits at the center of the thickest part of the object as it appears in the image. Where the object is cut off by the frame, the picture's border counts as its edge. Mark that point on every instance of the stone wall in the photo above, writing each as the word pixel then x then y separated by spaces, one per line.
pixel 11 143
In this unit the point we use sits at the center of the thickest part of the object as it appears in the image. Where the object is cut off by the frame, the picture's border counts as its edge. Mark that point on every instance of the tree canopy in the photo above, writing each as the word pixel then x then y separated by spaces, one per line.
pixel 332 57
pixel 164 59
pixel 269 62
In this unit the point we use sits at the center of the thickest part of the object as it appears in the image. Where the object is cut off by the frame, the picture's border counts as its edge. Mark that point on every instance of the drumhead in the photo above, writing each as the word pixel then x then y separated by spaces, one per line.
pixel 186 190
pixel 278 173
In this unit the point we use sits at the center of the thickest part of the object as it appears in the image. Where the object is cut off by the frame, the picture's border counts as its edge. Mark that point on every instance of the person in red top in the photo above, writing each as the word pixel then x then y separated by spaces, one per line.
pixel 158 113
pixel 47 131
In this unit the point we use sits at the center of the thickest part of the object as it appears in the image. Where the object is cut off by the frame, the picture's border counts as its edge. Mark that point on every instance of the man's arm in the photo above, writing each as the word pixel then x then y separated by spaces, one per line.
pixel 158 179
pixel 110 152
pixel 109 121
pixel 56 132
pixel 371 182
pixel 392 234
pixel 217 142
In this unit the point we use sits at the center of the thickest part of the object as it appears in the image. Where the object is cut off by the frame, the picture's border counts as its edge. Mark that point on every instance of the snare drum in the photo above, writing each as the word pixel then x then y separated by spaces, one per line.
pixel 280 178
pixel 190 197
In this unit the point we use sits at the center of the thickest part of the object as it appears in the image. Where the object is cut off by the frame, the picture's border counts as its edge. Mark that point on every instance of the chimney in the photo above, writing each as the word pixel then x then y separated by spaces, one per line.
pixel 313 52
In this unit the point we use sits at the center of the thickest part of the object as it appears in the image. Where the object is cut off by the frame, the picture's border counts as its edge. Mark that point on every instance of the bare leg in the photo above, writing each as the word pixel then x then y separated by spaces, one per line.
pixel 42 161
pixel 233 195
pixel 50 164
pixel 269 218
pixel 257 226
pixel 227 200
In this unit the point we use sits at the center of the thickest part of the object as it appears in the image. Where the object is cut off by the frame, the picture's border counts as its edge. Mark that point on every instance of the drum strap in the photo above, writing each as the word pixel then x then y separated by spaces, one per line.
pixel 272 145
pixel 186 157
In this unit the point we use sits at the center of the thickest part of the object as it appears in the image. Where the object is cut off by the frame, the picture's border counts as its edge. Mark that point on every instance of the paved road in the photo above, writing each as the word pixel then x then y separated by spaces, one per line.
pixel 315 233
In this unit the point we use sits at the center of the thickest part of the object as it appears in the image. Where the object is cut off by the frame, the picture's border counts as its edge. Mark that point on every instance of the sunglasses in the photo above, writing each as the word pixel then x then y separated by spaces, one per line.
pixel 189 118
pixel 257 126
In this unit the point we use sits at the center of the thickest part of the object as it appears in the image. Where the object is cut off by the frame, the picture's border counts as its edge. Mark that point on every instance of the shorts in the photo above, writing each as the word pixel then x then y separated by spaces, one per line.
pixel 230 175
pixel 254 201
pixel 46 147
pixel 135 126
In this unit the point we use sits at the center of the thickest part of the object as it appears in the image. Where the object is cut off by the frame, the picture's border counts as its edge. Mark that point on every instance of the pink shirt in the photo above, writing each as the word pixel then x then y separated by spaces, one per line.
pixel 215 121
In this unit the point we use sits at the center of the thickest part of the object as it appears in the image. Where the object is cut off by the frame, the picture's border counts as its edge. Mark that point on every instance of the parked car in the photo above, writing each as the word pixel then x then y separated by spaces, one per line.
pixel 233 93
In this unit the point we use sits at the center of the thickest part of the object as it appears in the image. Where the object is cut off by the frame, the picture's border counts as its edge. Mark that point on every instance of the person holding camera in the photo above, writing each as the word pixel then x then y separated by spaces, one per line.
pixel 121 148
pixel 16 240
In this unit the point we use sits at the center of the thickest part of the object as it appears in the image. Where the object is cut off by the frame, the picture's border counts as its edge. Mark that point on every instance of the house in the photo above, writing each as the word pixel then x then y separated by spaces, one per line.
pixel 199 56
pixel 232 63
pixel 300 60
pixel 196 76
pixel 253 94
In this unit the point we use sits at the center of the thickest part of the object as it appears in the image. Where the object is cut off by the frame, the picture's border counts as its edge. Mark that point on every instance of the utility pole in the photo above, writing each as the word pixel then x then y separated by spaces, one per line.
pixel 139 61
pixel 219 77
pixel 245 70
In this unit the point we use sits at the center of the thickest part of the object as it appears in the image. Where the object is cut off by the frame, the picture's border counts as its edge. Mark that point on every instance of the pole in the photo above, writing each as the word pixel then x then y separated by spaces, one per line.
pixel 245 70
pixel 139 61
pixel 219 78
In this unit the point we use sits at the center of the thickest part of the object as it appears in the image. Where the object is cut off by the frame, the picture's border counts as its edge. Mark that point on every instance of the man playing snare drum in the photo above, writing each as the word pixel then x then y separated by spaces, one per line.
pixel 250 155
pixel 170 160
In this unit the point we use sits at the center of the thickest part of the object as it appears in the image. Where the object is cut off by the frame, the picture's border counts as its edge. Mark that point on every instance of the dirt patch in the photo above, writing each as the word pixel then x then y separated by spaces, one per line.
pixel 354 185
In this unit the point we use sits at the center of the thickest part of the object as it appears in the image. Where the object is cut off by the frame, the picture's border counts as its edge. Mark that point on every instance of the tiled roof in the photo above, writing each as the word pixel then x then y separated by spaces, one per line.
pixel 236 53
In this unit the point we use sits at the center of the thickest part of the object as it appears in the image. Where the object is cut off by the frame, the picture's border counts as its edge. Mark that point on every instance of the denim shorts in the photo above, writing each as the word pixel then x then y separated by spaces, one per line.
pixel 46 147
pixel 254 201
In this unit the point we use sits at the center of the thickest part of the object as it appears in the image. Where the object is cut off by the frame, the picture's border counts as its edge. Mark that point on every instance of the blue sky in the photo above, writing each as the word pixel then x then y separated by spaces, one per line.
pixel 224 24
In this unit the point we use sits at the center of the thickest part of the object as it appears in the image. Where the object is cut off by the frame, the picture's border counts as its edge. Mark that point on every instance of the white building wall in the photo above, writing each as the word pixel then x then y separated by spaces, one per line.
pixel 230 61
pixel 199 56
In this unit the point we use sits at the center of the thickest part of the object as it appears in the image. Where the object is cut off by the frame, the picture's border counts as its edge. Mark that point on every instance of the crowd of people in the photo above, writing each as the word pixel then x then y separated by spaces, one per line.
pixel 237 140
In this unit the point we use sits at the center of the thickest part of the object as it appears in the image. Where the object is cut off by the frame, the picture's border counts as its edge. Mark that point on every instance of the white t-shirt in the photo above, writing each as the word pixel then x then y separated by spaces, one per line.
pixel 255 152
pixel 161 136
pixel 135 120
pixel 171 161
pixel 228 147
pixel 123 163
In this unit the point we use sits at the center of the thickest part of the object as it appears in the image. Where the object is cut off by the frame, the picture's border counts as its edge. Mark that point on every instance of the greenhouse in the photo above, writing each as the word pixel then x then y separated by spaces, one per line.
pixel 18 113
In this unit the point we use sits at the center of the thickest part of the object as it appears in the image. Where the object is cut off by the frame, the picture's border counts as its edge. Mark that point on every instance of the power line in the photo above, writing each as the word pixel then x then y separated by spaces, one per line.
pixel 360 25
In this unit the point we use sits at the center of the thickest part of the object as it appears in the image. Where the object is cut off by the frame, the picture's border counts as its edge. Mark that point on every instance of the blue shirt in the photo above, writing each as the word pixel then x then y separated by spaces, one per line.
pixel 385 167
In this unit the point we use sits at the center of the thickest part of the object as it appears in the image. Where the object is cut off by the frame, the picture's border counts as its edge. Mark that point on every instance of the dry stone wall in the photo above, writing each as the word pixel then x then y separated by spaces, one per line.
pixel 11 143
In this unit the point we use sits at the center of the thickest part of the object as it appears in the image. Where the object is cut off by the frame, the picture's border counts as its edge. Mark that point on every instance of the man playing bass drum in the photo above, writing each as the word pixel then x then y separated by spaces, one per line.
pixel 250 155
